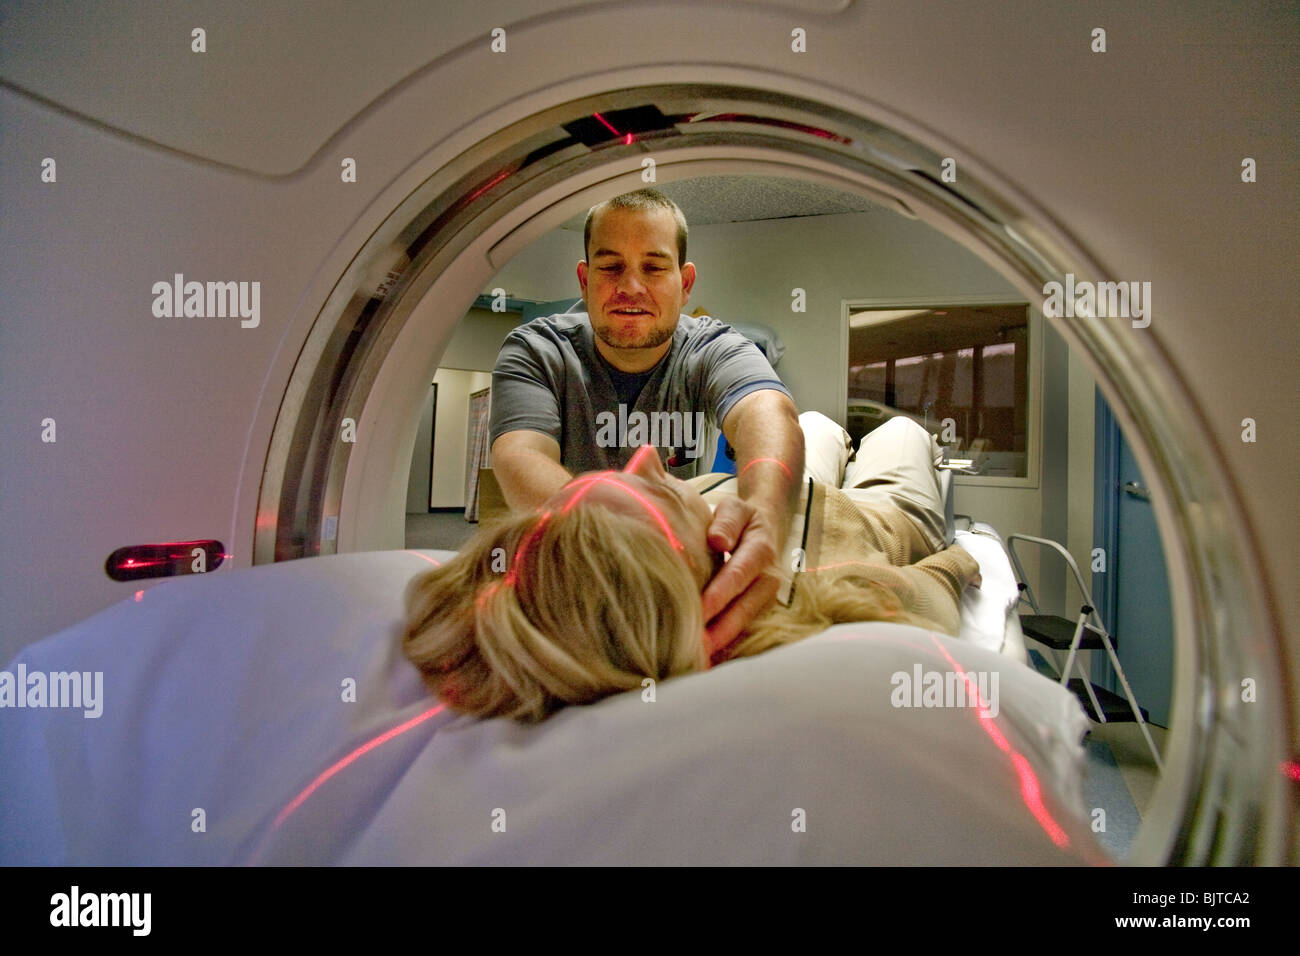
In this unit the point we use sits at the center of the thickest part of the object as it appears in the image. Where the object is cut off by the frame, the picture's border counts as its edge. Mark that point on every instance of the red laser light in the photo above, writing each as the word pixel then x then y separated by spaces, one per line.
pixel 654 512
pixel 605 123
pixel 340 765
pixel 345 762
pixel 775 461
pixel 1030 790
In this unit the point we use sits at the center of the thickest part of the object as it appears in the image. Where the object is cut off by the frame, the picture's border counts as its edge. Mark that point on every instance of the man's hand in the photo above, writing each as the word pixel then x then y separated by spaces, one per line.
pixel 740 591
pixel 763 427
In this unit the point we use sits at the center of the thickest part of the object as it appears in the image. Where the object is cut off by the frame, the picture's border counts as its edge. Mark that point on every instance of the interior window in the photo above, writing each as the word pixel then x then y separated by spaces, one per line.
pixel 961 371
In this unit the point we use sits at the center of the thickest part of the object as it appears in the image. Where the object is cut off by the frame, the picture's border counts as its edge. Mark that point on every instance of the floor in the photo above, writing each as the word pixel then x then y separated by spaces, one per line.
pixel 441 530
pixel 1134 758
pixel 1127 745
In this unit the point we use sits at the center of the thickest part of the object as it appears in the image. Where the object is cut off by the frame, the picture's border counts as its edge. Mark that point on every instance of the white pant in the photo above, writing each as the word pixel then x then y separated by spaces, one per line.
pixel 894 464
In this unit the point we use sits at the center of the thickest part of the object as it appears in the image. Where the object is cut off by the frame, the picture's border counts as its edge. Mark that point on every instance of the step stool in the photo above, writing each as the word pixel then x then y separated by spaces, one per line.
pixel 1059 634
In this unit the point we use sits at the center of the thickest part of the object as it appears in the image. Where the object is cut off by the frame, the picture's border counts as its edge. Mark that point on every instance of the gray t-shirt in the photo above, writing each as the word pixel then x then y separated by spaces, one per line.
pixel 549 378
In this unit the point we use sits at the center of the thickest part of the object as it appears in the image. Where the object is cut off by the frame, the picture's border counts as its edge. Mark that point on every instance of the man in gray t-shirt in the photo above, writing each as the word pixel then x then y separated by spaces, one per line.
pixel 581 391
pixel 551 378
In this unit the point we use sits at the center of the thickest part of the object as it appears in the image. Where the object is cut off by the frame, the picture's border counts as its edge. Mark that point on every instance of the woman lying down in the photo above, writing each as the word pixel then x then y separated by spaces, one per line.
pixel 600 588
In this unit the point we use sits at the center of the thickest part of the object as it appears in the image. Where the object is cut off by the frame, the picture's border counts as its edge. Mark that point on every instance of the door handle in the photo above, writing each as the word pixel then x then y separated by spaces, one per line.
pixel 1137 490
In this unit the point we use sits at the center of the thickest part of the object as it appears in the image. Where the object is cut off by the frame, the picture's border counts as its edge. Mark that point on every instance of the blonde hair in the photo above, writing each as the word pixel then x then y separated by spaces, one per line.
pixel 821 599
pixel 539 611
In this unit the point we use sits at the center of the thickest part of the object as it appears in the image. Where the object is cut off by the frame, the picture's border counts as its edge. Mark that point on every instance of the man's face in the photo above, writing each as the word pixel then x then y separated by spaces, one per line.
pixel 633 284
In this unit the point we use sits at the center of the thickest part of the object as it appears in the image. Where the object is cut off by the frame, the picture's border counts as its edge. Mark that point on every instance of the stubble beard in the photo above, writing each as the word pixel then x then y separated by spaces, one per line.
pixel 649 339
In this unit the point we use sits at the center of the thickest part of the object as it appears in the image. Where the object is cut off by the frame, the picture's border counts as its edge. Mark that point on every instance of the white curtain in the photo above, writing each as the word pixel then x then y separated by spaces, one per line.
pixel 477 452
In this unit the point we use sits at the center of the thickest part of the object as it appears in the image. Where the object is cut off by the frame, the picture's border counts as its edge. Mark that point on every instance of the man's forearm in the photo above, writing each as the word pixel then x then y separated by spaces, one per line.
pixel 769 454
pixel 529 478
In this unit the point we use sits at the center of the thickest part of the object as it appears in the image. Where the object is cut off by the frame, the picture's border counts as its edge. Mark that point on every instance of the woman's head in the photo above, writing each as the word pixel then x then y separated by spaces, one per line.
pixel 646 492
pixel 594 593
pixel 565 606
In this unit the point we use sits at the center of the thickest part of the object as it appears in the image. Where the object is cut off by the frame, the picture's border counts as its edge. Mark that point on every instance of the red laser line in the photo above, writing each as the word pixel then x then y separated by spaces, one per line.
pixel 638 456
pixel 605 123
pixel 524 545
pixel 584 484
pixel 585 480
pixel 775 461
pixel 1030 791
pixel 486 594
pixel 655 512
pixel 347 761
pixel 436 564
pixel 488 185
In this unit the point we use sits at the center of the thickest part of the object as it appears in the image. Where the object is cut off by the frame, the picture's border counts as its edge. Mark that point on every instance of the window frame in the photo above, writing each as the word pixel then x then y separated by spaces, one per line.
pixel 1034 391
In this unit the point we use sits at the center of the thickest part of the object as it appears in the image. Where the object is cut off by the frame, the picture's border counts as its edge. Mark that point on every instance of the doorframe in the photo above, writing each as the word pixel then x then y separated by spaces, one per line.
pixel 433 445
pixel 1105 528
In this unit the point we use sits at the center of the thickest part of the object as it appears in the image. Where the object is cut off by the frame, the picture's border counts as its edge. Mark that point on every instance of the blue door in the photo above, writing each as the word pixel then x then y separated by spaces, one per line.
pixel 1133 596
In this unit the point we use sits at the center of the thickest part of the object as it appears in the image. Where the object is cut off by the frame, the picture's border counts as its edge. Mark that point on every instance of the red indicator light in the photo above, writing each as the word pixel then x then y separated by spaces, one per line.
pixel 164 560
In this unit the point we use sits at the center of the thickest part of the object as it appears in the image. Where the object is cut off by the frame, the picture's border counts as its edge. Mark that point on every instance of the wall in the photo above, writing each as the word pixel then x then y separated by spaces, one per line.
pixel 473 348
pixel 418 492
pixel 451 432
pixel 477 340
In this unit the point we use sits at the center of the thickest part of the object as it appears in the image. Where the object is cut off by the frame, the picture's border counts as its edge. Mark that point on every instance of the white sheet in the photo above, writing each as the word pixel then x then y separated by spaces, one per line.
pixel 987 618
pixel 225 698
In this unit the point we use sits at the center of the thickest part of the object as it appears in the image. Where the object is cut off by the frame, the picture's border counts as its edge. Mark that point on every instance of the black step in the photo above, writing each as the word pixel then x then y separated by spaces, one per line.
pixel 1115 708
pixel 1057 632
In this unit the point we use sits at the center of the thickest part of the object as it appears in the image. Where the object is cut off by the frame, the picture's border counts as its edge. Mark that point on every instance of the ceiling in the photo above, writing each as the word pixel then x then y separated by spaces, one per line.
pixel 716 199
pixel 952 327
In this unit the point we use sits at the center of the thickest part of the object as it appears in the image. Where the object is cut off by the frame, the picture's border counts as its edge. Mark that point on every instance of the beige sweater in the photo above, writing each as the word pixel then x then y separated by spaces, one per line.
pixel 880 541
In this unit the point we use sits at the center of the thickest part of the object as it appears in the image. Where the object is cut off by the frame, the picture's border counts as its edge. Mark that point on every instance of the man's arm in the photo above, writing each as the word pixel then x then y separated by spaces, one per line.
pixel 527 466
pixel 526 420
pixel 763 427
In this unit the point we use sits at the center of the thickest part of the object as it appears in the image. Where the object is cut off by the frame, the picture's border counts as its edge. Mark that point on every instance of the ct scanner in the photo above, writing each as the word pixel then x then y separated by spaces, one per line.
pixel 227 165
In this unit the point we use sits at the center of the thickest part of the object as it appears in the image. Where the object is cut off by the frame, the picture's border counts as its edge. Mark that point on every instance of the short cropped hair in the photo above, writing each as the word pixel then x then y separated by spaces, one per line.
pixel 641 199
